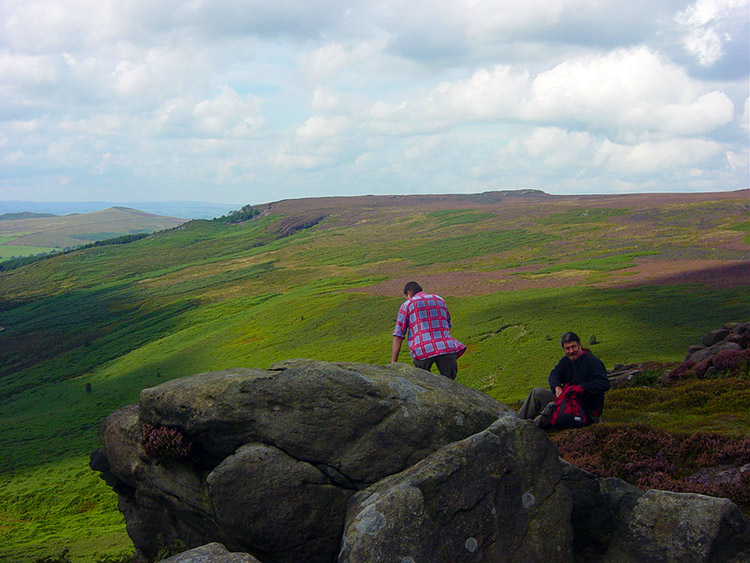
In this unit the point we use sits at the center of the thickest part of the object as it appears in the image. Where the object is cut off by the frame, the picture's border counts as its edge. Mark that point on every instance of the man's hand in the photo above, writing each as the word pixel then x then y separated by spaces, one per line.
pixel 558 390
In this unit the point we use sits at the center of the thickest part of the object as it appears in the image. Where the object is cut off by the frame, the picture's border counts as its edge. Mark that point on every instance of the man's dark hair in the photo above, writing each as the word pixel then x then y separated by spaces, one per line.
pixel 569 337
pixel 412 287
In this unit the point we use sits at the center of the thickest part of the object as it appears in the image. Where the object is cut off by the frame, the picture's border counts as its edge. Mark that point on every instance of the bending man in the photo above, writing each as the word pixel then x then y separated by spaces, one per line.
pixel 426 319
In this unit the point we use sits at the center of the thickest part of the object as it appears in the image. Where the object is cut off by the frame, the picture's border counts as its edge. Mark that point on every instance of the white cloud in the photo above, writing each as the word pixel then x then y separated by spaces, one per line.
pixel 319 97
pixel 624 93
pixel 650 157
pixel 333 59
pixel 745 117
pixel 318 128
pixel 627 92
pixel 559 148
pixel 710 24
pixel 226 114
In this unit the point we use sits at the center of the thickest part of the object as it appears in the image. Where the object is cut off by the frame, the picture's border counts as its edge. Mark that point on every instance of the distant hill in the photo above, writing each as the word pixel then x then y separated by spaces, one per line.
pixel 23 234
pixel 184 209
pixel 24 215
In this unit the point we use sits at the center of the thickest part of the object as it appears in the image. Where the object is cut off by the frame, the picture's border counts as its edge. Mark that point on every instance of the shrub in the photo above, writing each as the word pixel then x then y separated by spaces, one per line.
pixel 161 442
pixel 651 458
pixel 735 362
pixel 728 363
pixel 683 371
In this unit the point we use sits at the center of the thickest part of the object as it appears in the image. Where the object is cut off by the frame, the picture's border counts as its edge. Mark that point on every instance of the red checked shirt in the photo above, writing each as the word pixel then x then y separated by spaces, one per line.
pixel 428 322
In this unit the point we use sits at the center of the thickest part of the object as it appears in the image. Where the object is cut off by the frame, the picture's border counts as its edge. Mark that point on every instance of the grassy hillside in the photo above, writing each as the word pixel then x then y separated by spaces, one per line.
pixel 27 234
pixel 81 334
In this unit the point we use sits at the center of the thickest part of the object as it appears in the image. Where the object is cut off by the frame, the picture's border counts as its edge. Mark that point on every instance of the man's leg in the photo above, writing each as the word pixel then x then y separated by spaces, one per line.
pixel 447 365
pixel 424 364
pixel 535 403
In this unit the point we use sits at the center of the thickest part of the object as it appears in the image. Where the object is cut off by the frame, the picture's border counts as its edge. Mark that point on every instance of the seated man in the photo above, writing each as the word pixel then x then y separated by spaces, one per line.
pixel 578 367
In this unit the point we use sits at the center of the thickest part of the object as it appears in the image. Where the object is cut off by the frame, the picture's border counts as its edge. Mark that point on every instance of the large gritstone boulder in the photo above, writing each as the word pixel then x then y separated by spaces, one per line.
pixel 264 461
pixel 496 496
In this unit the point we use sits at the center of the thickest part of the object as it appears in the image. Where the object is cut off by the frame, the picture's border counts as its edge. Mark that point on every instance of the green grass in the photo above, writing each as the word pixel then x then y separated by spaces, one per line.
pixel 8 251
pixel 585 215
pixel 210 296
pixel 604 264
pixel 714 405
pixel 513 336
pixel 450 217
pixel 56 506
pixel 472 245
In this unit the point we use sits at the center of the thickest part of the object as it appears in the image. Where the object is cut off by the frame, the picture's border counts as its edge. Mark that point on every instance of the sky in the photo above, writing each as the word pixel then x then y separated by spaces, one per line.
pixel 256 101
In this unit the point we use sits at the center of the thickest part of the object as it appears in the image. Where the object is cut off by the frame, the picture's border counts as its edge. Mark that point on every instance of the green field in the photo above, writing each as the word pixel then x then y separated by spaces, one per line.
pixel 81 334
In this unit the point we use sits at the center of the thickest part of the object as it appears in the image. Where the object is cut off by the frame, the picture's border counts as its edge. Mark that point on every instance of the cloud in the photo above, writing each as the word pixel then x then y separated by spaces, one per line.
pixel 710 25
pixel 624 93
pixel 254 100
pixel 650 157
pixel 227 114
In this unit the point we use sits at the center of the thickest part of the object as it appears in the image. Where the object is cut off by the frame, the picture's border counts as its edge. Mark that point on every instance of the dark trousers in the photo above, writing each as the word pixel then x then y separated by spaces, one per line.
pixel 446 364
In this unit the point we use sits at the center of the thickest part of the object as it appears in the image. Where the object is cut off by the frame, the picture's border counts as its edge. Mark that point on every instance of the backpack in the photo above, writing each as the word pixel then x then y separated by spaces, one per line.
pixel 569 411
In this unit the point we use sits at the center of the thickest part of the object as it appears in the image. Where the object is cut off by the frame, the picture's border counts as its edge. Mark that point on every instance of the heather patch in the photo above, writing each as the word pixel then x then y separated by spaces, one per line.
pixel 727 363
pixel 654 459
pixel 161 442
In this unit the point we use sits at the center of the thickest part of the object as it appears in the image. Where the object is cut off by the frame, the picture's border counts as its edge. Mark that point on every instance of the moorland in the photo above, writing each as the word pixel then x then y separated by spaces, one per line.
pixel 640 277
pixel 25 234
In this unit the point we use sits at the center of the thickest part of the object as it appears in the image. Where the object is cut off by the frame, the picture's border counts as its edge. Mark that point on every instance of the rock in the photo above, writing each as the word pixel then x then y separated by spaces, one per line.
pixel 722 475
pixel 667 526
pixel 266 497
pixel 495 496
pixel 598 504
pixel 279 451
pixel 310 461
pixel 364 421
pixel 706 353
pixel 714 337
pixel 210 553
pixel 622 374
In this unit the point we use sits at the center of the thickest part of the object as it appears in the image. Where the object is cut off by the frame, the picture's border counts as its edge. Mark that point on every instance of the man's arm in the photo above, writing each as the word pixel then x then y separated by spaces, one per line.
pixel 556 377
pixel 396 349
pixel 598 382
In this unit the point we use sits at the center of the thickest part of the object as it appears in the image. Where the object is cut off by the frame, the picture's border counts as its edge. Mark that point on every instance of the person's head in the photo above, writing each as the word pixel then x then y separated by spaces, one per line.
pixel 571 344
pixel 412 288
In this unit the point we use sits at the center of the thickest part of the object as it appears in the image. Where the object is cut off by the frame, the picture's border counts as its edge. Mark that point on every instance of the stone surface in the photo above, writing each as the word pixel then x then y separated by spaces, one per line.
pixel 210 553
pixel 495 496
pixel 313 461
pixel 667 526
pixel 279 452
pixel 599 506
pixel 365 421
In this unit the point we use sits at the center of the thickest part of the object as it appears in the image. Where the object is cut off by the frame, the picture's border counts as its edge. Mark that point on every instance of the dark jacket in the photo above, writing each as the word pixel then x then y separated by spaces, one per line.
pixel 589 372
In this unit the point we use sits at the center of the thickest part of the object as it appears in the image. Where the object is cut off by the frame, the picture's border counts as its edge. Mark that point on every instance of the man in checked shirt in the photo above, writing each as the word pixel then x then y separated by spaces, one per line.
pixel 426 319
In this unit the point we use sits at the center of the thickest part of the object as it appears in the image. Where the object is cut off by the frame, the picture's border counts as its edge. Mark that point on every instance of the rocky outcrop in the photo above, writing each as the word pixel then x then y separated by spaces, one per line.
pixel 725 350
pixel 322 462
pixel 275 454
pixel 721 350
pixel 495 496
pixel 615 522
